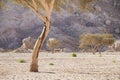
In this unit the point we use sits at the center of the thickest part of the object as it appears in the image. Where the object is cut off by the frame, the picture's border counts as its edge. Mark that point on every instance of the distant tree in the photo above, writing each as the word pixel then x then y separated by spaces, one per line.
pixel 2 3
pixel 53 43
pixel 46 7
pixel 95 42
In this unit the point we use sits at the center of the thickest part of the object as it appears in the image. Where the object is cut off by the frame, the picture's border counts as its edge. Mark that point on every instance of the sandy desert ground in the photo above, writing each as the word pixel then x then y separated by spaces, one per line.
pixel 65 67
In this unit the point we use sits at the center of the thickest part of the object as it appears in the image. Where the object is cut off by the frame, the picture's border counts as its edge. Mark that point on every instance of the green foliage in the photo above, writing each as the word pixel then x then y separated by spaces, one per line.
pixel 74 55
pixel 113 61
pixel 51 64
pixel 22 61
pixel 100 55
pixel 96 41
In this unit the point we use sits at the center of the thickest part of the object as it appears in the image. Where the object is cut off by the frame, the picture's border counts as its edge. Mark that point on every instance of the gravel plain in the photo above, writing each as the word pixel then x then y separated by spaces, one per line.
pixel 85 66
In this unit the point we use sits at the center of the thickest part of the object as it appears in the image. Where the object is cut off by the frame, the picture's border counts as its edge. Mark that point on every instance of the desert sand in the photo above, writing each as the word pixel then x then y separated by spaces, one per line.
pixel 85 66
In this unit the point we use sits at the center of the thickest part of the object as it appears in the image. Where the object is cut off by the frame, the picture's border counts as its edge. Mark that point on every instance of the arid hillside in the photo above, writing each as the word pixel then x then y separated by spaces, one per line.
pixel 17 23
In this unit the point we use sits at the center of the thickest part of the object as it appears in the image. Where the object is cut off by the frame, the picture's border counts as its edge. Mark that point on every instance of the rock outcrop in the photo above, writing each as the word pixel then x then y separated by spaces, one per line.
pixel 28 43
pixel 115 46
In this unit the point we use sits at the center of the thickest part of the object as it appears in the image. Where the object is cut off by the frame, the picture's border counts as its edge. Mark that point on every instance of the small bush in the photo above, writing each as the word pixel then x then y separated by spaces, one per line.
pixel 100 55
pixel 96 42
pixel 114 61
pixel 51 64
pixel 74 55
pixel 22 61
pixel 53 44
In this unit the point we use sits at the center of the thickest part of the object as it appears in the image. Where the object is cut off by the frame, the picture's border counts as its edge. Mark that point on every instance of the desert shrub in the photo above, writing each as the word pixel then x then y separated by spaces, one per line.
pixel 113 61
pixel 22 61
pixel 74 55
pixel 51 64
pixel 53 43
pixel 100 55
pixel 95 42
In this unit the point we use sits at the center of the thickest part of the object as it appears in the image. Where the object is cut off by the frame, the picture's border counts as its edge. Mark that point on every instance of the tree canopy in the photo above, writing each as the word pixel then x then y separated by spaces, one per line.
pixel 47 6
pixel 46 3
pixel 96 41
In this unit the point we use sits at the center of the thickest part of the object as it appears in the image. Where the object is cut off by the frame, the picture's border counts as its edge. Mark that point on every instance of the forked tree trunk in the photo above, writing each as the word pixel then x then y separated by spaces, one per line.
pixel 38 45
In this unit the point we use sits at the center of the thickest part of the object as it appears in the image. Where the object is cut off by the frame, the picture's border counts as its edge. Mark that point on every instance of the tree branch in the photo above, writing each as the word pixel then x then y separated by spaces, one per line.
pixel 50 6
pixel 35 5
pixel 44 5
pixel 34 10
pixel 37 12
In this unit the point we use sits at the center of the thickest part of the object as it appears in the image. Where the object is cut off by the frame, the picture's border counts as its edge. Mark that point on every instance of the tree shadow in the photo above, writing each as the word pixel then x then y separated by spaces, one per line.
pixel 46 72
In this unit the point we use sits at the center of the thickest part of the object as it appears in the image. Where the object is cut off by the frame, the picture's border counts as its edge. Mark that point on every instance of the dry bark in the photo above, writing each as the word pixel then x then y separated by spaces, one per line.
pixel 38 45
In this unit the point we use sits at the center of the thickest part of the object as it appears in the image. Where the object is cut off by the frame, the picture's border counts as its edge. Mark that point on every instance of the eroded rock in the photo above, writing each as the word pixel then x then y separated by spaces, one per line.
pixel 115 46
pixel 28 43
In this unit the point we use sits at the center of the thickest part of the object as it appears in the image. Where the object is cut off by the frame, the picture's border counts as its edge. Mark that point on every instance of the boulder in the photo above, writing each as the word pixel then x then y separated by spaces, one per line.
pixel 115 46
pixel 28 43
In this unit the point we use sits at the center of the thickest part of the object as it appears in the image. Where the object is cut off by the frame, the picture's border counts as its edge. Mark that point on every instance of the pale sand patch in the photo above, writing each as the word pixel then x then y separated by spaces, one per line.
pixel 65 67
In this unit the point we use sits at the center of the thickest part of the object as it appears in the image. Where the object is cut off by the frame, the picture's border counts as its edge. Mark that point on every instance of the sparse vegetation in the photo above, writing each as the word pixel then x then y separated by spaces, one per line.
pixel 64 65
pixel 74 55
pixel 53 43
pixel 46 7
pixel 95 42
pixel 22 61
pixel 51 64
pixel 100 55
pixel 113 61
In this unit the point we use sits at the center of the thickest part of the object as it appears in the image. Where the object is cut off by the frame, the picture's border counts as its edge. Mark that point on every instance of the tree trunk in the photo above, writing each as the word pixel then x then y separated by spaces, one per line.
pixel 38 45
pixel 99 49
pixel 52 51
pixel 93 50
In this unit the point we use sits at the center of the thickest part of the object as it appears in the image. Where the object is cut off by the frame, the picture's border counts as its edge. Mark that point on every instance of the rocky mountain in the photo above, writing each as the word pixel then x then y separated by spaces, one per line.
pixel 17 23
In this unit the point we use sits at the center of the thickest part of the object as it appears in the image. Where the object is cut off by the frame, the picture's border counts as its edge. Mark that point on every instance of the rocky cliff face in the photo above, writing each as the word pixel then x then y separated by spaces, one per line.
pixel 17 23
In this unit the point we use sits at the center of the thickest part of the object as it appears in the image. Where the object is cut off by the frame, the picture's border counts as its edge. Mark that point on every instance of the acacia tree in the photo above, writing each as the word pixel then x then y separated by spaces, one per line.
pixel 43 9
pixel 95 42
